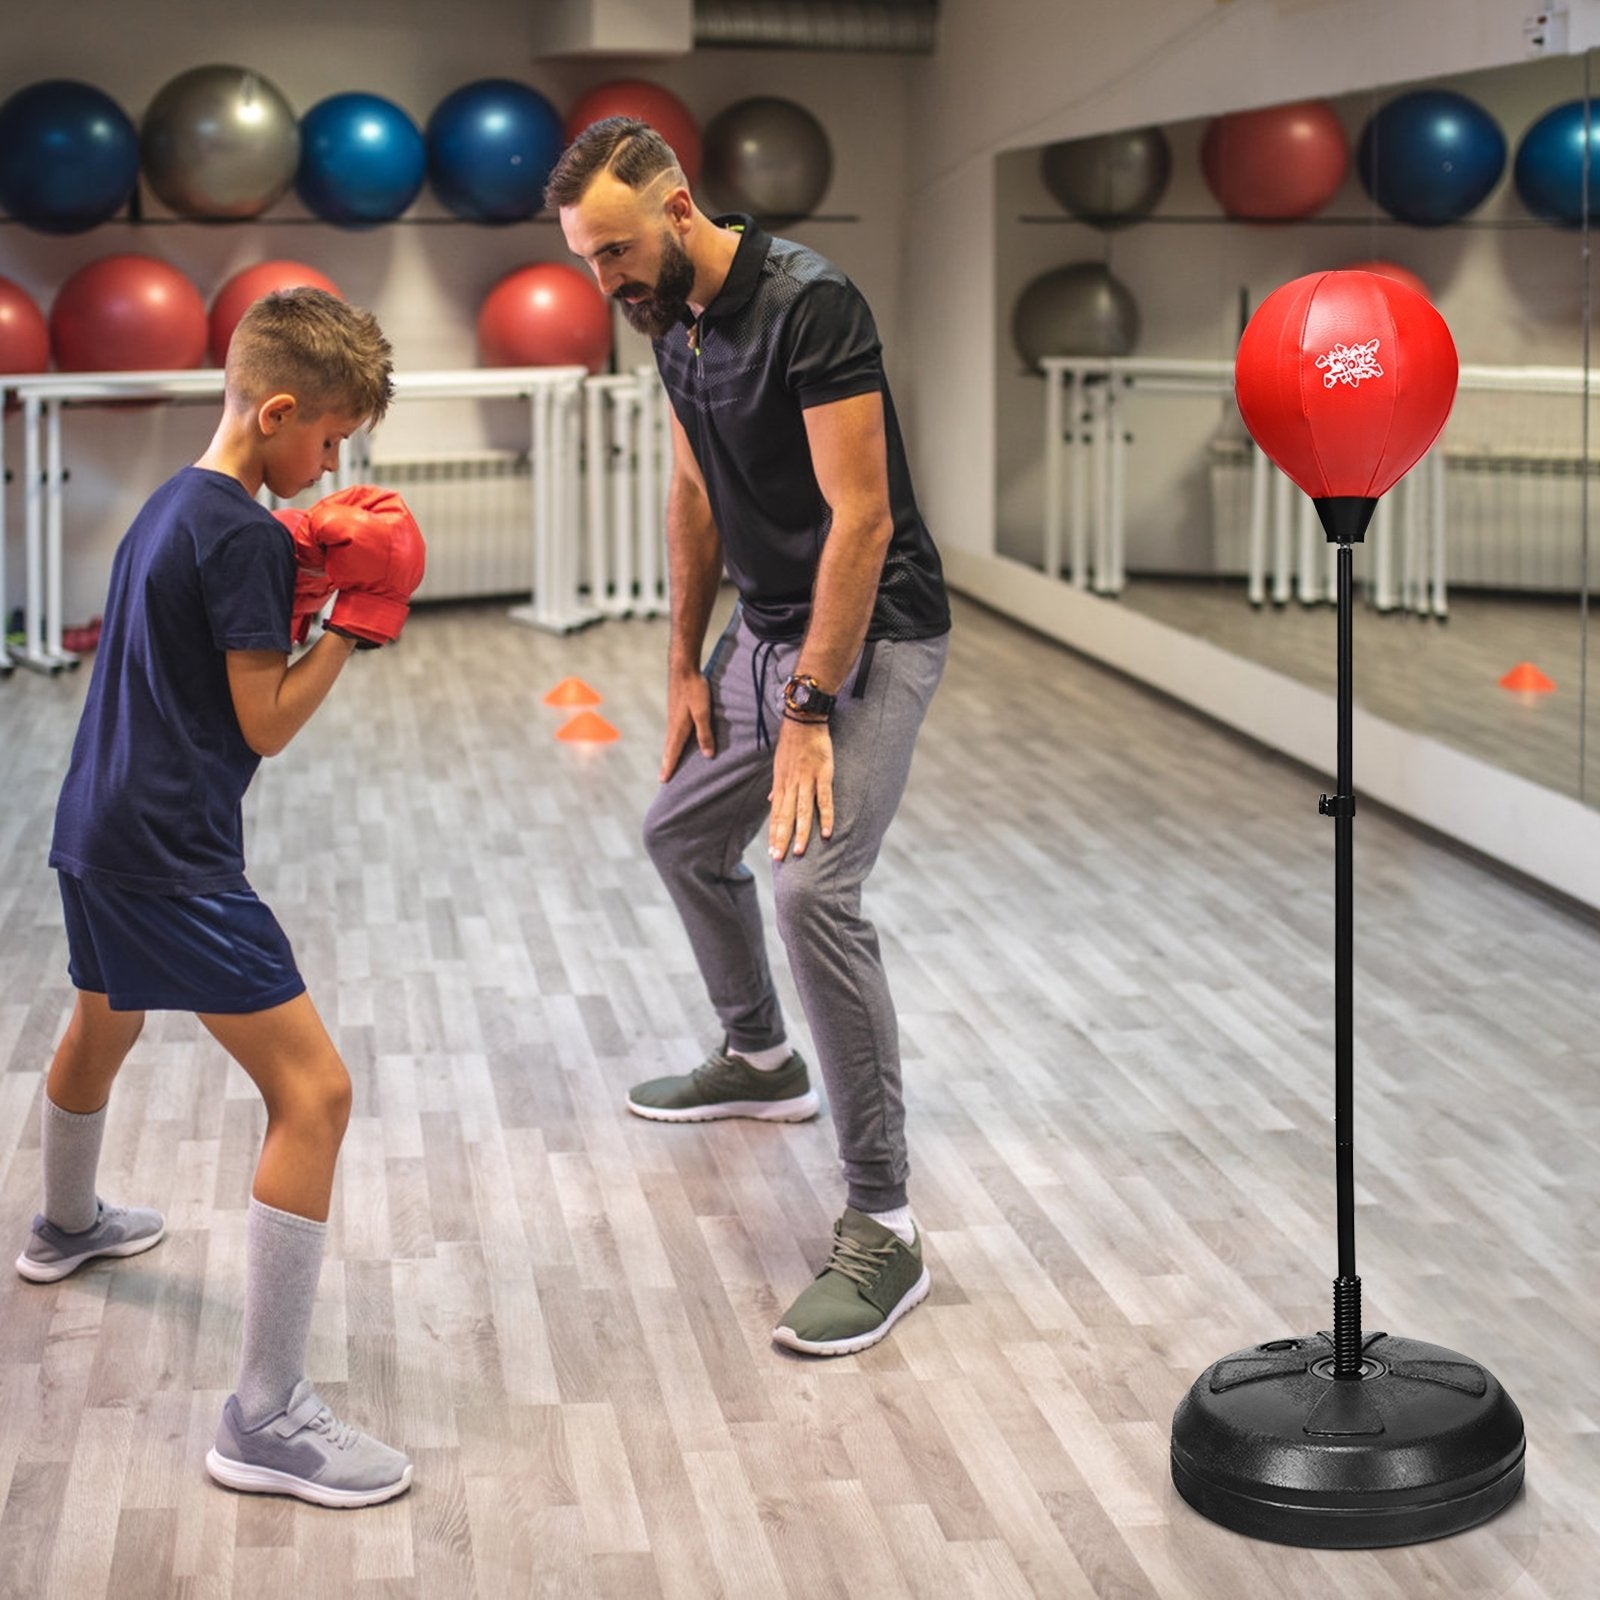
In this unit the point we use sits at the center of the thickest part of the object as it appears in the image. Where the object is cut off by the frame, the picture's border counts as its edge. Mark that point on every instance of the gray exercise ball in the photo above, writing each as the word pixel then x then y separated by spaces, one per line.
pixel 219 141
pixel 1110 180
pixel 768 157
pixel 1079 310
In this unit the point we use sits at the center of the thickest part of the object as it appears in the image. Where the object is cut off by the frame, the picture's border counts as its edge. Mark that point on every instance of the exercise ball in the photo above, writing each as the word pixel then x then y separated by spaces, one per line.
pixel 1431 156
pixel 362 160
pixel 545 315
pixel 1552 160
pixel 649 102
pixel 1079 310
pixel 24 334
pixel 1395 273
pixel 1275 164
pixel 1111 179
pixel 69 156
pixel 219 142
pixel 127 313
pixel 243 289
pixel 491 145
pixel 768 157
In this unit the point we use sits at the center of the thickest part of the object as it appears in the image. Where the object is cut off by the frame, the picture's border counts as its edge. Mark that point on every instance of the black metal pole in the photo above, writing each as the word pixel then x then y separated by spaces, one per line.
pixel 1347 1287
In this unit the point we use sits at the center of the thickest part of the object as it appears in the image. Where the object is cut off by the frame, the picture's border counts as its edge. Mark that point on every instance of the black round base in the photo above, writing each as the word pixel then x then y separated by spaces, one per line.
pixel 1423 1444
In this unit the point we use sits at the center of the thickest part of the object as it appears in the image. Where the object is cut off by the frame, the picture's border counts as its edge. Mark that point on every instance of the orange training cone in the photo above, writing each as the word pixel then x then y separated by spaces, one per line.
pixel 588 727
pixel 572 692
pixel 1528 678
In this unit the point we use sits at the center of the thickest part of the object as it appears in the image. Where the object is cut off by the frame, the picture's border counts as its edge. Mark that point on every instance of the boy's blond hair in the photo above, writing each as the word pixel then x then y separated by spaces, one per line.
pixel 331 356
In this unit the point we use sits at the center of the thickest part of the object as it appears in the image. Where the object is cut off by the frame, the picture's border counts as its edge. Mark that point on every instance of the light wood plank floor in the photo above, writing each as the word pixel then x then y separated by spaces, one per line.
pixel 1109 925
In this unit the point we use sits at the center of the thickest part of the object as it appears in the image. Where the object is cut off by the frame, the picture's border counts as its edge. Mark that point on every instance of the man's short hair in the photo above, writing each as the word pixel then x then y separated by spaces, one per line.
pixel 330 355
pixel 630 150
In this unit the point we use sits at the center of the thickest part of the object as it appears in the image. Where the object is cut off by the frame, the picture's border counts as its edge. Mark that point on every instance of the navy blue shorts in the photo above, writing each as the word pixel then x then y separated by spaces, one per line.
pixel 153 952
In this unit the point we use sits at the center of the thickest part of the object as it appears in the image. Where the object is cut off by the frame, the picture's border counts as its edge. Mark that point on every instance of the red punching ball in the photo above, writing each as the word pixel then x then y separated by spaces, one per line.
pixel 1345 379
pixel 649 102
pixel 243 289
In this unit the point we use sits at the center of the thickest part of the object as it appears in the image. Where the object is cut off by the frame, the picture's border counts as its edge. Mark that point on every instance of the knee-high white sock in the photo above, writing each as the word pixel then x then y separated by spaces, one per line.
pixel 283 1260
pixel 70 1143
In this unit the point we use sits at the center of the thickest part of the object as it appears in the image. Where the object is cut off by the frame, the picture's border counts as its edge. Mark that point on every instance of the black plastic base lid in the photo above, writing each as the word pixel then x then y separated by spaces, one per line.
pixel 1424 1444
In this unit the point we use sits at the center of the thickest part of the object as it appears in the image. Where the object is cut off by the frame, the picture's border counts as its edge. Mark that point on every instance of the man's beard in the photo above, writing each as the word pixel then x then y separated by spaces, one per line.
pixel 661 309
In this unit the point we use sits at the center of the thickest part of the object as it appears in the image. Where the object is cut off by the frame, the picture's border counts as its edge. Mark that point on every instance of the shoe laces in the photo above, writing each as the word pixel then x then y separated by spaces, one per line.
pixel 341 1435
pixel 861 1263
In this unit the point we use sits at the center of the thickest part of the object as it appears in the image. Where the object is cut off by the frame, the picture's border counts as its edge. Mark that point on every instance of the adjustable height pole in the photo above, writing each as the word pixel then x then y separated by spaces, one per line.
pixel 1347 1286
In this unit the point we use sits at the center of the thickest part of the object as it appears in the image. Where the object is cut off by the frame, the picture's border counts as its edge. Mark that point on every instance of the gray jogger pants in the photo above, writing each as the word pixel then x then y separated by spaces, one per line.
pixel 706 815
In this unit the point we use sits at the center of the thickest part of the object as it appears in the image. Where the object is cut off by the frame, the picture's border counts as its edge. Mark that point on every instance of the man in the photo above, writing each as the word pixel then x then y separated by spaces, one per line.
pixel 789 470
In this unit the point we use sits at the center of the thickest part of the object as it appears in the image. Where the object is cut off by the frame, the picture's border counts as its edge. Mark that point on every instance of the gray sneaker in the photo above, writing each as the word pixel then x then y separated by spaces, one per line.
pixel 51 1254
pixel 724 1085
pixel 873 1277
pixel 307 1452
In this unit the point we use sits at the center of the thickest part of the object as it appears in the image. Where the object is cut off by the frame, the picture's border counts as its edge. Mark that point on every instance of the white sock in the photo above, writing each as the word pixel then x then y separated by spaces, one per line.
pixel 70 1155
pixel 764 1060
pixel 283 1259
pixel 898 1222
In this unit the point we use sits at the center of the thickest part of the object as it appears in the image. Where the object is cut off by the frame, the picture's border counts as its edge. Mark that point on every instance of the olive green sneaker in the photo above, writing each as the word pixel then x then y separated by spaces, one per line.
pixel 727 1086
pixel 871 1280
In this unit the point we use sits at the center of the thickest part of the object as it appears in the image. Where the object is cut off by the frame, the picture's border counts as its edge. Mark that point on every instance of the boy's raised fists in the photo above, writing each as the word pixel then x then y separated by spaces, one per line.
pixel 366 546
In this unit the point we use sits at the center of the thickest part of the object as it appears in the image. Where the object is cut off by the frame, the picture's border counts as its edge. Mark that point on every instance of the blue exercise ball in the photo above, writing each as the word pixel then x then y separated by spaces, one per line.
pixel 491 147
pixel 362 160
pixel 1550 165
pixel 69 156
pixel 1431 156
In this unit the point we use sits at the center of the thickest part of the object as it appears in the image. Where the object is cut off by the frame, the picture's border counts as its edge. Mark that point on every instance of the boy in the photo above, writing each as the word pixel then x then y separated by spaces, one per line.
pixel 192 686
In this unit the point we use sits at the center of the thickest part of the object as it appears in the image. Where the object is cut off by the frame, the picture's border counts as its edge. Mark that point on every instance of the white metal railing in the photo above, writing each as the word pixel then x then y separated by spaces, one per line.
pixel 592 556
pixel 1085 473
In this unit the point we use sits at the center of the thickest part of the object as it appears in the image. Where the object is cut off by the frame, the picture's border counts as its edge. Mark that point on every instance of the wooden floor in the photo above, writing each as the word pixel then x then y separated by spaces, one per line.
pixel 1435 677
pixel 1109 929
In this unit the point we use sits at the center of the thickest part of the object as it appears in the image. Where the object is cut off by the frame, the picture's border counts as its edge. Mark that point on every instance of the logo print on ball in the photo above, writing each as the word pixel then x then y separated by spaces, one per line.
pixel 1349 363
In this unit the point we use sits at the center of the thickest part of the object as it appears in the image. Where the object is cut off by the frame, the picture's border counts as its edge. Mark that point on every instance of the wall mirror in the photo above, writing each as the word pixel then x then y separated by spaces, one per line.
pixel 1136 481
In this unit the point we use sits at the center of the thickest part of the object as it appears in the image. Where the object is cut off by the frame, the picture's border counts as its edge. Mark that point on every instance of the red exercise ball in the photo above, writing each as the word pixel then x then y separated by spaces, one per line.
pixel 243 289
pixel 649 102
pixel 1276 163
pixel 1392 269
pixel 545 315
pixel 24 334
pixel 1345 379
pixel 128 313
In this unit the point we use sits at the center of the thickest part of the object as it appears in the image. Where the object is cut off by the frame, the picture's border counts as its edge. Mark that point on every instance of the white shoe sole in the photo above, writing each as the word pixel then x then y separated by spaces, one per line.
pixel 844 1347
pixel 55 1271
pixel 799 1109
pixel 242 1476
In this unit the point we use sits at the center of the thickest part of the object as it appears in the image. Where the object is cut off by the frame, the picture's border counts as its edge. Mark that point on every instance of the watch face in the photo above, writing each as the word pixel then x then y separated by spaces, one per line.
pixel 804 696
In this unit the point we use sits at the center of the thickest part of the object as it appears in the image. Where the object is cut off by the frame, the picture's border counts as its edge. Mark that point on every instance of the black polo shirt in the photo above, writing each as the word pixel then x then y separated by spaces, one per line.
pixel 787 331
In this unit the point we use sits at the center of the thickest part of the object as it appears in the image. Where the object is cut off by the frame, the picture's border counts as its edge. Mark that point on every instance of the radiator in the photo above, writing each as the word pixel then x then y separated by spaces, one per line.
pixel 475 509
pixel 1511 521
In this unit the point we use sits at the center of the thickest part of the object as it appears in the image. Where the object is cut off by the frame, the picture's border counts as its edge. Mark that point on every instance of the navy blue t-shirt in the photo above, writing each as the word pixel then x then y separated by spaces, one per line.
pixel 152 797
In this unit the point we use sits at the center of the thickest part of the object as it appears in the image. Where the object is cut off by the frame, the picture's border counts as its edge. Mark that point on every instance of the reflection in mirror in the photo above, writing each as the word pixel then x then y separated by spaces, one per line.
pixel 1127 265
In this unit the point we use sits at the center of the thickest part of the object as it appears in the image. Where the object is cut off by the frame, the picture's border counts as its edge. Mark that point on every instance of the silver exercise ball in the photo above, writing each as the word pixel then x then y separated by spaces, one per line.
pixel 1079 310
pixel 768 157
pixel 1110 180
pixel 219 141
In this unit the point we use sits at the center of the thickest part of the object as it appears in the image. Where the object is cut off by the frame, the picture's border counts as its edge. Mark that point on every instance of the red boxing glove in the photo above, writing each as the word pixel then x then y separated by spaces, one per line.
pixel 312 586
pixel 374 556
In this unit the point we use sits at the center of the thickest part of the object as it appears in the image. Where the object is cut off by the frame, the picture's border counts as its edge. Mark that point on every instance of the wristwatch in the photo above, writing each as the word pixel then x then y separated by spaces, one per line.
pixel 804 696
